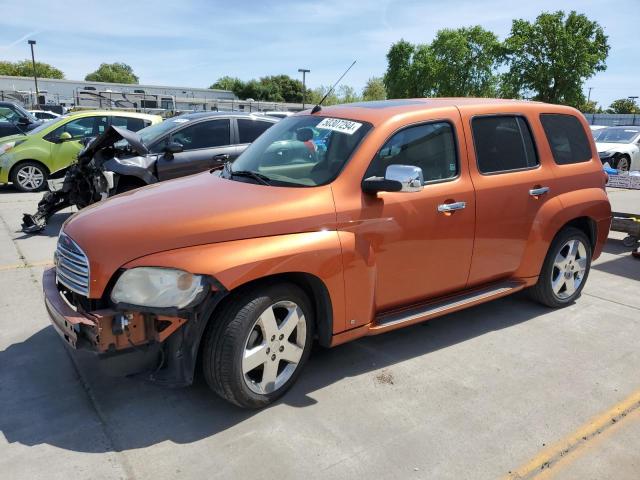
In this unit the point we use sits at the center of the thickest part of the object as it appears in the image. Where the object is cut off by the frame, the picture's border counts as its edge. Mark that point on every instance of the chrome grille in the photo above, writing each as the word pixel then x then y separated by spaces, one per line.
pixel 72 266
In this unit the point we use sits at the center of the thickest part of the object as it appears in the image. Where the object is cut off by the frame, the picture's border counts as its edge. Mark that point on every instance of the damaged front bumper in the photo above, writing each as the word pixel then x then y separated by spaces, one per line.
pixel 161 348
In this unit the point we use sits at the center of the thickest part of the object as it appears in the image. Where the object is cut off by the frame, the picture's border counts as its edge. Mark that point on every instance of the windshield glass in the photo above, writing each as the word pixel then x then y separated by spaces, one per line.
pixel 303 151
pixel 51 123
pixel 616 135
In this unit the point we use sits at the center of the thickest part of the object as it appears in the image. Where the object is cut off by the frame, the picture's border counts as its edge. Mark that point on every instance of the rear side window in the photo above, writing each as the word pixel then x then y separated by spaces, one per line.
pixel 568 142
pixel 503 143
pixel 133 124
pixel 430 146
pixel 249 130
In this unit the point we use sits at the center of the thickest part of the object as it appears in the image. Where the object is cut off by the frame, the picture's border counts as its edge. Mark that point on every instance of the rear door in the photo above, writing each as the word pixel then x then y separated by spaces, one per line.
pixel 130 123
pixel 511 186
pixel 206 144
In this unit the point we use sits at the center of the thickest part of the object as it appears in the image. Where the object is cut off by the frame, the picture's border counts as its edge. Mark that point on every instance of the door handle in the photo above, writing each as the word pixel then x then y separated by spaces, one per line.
pixel 451 207
pixel 221 157
pixel 535 192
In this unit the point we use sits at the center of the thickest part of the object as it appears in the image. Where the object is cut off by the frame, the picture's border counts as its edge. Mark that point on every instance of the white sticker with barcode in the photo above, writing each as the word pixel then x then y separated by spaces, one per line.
pixel 339 125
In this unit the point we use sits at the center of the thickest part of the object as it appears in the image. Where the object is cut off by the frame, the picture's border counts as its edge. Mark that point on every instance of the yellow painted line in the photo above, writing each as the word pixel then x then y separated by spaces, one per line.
pixel 547 458
pixel 16 266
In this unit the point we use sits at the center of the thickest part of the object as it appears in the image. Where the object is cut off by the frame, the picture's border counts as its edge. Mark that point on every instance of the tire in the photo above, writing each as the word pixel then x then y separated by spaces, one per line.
pixel 565 269
pixel 623 164
pixel 245 325
pixel 29 176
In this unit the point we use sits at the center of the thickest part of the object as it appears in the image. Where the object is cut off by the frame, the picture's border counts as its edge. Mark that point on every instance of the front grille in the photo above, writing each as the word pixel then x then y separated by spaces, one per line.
pixel 72 266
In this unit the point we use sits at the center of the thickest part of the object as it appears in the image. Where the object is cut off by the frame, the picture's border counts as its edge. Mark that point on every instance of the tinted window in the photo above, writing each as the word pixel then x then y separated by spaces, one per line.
pixel 133 124
pixel 567 139
pixel 82 128
pixel 8 115
pixel 503 143
pixel 212 133
pixel 251 129
pixel 431 147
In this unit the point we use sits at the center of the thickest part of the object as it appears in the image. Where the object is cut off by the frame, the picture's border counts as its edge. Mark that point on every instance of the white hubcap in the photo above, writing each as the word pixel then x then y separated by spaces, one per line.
pixel 569 268
pixel 30 177
pixel 274 347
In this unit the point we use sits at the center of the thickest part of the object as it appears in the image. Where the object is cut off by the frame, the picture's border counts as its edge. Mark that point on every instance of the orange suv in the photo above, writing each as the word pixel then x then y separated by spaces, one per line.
pixel 334 224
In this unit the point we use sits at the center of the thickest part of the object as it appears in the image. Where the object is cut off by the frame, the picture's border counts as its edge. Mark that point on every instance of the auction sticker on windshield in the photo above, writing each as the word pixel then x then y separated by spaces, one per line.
pixel 339 125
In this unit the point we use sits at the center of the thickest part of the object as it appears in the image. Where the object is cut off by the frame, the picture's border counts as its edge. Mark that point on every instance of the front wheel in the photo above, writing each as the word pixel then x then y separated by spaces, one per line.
pixel 29 177
pixel 565 269
pixel 254 350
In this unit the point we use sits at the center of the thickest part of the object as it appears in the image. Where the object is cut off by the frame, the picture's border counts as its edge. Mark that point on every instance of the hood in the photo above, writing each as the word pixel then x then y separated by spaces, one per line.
pixel 196 210
pixel 618 147
pixel 110 136
pixel 13 138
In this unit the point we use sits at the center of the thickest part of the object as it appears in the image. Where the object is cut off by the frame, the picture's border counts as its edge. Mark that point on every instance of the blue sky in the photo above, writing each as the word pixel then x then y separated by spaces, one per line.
pixel 192 43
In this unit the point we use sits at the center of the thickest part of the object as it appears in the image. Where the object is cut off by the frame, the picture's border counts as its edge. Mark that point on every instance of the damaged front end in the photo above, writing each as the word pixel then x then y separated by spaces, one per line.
pixel 92 177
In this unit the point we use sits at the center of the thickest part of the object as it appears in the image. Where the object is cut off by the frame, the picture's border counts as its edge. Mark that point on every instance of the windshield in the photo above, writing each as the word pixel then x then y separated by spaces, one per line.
pixel 45 125
pixel 303 151
pixel 616 135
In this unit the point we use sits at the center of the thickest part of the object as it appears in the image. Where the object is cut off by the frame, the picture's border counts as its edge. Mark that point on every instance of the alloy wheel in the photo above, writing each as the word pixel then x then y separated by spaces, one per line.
pixel 30 177
pixel 274 347
pixel 569 268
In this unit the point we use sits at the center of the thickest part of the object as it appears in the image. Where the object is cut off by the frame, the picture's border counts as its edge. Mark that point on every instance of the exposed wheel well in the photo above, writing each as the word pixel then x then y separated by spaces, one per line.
pixel 128 182
pixel 587 225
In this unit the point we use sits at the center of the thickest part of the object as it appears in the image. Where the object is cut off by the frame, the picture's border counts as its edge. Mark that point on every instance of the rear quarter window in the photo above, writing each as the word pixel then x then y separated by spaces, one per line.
pixel 567 138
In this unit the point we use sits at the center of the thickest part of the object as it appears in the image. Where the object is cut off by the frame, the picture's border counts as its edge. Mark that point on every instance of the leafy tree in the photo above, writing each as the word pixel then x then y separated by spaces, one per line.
pixel 623 105
pixel 229 83
pixel 590 107
pixel 552 57
pixel 398 77
pixel 465 62
pixel 113 73
pixel 347 94
pixel 24 68
pixel 319 92
pixel 374 89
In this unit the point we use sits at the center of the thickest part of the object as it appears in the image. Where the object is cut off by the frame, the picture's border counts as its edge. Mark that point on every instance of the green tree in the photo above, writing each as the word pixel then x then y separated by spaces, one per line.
pixel 24 68
pixel 551 58
pixel 398 77
pixel 317 93
pixel 374 89
pixel 114 73
pixel 347 94
pixel 465 62
pixel 233 84
pixel 590 107
pixel 623 105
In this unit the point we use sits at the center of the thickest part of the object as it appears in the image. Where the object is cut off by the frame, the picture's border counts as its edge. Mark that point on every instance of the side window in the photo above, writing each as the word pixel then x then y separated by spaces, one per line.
pixel 503 143
pixel 212 133
pixel 568 142
pixel 82 128
pixel 431 146
pixel 133 124
pixel 8 115
pixel 251 129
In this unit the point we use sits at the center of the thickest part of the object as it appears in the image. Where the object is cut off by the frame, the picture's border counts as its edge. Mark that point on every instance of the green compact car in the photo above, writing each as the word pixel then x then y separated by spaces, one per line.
pixel 26 160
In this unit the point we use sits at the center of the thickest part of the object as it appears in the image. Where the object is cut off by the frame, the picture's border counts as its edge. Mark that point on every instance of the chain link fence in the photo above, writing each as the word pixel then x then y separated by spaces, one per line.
pixel 612 119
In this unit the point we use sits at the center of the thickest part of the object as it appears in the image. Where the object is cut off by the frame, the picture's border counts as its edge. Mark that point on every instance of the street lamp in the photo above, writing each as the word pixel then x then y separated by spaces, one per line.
pixel 35 76
pixel 304 72
pixel 633 99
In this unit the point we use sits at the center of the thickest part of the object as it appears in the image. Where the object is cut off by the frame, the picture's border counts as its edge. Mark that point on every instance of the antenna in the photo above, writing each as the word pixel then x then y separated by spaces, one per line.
pixel 317 108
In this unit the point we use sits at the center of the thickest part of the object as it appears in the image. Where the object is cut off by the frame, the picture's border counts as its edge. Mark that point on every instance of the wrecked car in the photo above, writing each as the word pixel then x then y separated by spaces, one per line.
pixel 399 220
pixel 120 160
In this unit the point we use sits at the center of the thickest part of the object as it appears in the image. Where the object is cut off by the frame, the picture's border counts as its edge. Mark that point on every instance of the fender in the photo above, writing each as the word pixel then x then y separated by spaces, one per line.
pixel 239 262
pixel 555 214
pixel 131 167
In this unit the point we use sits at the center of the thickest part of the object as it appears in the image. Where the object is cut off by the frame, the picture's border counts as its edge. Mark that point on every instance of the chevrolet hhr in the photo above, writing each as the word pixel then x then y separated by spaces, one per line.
pixel 334 224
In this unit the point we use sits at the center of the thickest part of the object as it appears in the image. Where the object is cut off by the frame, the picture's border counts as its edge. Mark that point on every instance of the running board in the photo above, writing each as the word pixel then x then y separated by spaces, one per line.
pixel 420 313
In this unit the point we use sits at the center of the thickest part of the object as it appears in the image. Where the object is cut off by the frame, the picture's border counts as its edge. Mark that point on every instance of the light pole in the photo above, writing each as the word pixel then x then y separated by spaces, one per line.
pixel 35 76
pixel 304 72
pixel 633 99
pixel 589 95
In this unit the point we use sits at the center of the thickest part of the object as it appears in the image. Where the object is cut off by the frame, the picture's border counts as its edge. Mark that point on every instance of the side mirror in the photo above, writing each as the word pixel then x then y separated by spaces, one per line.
pixel 23 121
pixel 397 178
pixel 173 148
pixel 64 137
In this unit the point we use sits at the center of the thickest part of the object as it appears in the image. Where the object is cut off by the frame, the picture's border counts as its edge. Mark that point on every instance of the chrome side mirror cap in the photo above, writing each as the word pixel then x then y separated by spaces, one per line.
pixel 408 176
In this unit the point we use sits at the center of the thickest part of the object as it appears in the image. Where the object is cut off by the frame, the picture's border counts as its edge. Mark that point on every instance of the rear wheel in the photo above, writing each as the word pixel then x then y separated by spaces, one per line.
pixel 565 269
pixel 29 176
pixel 623 163
pixel 254 350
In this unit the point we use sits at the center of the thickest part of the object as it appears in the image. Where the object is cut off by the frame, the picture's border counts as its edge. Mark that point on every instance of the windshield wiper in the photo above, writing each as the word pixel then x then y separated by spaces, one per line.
pixel 263 179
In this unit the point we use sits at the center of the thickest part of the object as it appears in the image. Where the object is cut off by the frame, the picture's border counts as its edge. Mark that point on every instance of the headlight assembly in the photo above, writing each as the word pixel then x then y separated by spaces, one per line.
pixel 5 147
pixel 158 287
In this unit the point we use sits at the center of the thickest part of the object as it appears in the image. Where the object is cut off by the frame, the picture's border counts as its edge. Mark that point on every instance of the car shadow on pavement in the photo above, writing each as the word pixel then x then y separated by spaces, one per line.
pixel 45 402
pixel 623 264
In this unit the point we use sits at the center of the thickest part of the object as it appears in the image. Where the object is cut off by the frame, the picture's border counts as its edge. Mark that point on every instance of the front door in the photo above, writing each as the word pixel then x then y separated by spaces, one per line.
pixel 511 187
pixel 205 144
pixel 421 250
pixel 64 152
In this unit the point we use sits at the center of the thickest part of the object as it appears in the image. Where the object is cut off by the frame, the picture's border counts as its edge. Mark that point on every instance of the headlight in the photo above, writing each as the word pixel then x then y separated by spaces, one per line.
pixel 158 287
pixel 5 147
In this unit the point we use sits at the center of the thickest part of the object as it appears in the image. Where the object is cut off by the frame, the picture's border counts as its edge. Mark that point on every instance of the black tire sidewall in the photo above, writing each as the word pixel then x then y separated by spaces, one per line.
pixel 561 239
pixel 17 168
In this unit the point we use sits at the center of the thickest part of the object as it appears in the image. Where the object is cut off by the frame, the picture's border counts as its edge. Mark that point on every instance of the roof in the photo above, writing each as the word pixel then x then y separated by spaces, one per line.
pixel 114 113
pixel 198 115
pixel 378 111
